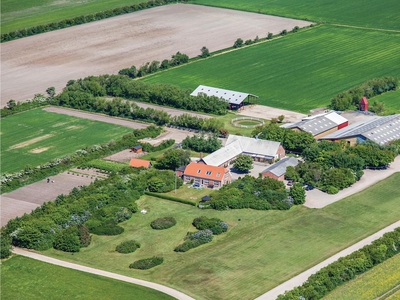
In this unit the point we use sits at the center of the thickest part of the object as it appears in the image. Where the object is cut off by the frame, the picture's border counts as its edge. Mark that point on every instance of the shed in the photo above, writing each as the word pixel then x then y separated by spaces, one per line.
pixel 140 163
pixel 137 149
pixel 206 198
pixel 277 171
pixel 364 104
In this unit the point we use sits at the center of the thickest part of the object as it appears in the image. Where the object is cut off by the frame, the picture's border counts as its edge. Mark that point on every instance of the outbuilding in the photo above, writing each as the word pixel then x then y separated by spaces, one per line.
pixel 137 149
pixel 277 170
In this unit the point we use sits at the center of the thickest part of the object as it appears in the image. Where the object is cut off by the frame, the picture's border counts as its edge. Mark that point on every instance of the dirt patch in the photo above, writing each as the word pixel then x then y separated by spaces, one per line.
pixel 59 124
pixel 267 112
pixel 30 142
pixel 39 150
pixel 106 46
pixel 74 127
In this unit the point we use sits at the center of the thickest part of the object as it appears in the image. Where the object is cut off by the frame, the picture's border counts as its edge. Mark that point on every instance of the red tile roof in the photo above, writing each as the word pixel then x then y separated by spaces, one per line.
pixel 138 163
pixel 205 171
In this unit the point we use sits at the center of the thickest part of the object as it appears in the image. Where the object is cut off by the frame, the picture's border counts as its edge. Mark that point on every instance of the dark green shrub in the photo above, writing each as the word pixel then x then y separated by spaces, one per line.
pixel 5 246
pixel 107 229
pixel 217 226
pixel 84 235
pixel 67 240
pixel 147 263
pixel 163 223
pixel 127 247
pixel 195 239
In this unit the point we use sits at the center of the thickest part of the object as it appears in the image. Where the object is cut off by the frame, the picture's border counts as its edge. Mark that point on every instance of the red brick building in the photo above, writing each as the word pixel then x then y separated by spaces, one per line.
pixel 206 176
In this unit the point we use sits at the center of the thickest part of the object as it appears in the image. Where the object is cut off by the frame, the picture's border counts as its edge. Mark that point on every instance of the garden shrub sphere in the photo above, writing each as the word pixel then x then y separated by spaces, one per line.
pixel 127 246
pixel 163 223
pixel 147 263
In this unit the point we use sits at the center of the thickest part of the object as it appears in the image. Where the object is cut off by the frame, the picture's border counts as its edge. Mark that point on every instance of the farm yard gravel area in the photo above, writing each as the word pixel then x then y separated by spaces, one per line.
pixel 31 65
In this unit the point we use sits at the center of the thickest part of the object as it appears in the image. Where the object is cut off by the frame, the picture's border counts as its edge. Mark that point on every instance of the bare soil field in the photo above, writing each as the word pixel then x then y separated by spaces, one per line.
pixel 31 65
pixel 27 198
pixel 267 112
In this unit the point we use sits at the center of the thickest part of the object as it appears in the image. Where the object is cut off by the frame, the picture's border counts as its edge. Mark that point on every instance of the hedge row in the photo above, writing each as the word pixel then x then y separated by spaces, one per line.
pixel 346 268
pixel 81 20
pixel 196 239
pixel 147 263
pixel 171 198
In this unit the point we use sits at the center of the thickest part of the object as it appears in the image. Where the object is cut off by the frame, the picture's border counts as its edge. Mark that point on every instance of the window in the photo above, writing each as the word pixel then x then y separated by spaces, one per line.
pixel 218 174
pixel 199 171
pixel 187 178
pixel 205 182
pixel 208 173
pixel 216 183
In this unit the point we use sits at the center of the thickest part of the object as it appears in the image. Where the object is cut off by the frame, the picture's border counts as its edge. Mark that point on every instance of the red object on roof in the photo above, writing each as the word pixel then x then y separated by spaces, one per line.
pixel 140 163
pixel 364 104
pixel 204 171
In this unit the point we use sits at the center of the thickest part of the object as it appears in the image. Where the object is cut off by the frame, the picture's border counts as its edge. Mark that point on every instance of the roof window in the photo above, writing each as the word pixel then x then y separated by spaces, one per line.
pixel 208 173
pixel 198 171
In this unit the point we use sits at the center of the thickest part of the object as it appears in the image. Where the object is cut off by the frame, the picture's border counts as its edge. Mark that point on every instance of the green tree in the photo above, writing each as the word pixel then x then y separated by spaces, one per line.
pixel 238 43
pixel 378 107
pixel 297 193
pixel 243 163
pixel 67 240
pixel 173 159
pixel 269 36
pixel 204 52
pixel 5 246
pixel 292 174
pixel 51 91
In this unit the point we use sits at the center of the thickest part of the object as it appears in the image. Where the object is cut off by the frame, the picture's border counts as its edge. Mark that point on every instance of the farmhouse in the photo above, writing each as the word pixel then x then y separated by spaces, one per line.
pixel 380 130
pixel 208 176
pixel 140 163
pixel 277 171
pixel 320 125
pixel 259 150
pixel 236 100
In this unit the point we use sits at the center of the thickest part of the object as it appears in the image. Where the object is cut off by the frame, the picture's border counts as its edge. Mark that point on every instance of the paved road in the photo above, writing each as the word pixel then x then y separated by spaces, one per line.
pixel 318 199
pixel 155 286
pixel 301 278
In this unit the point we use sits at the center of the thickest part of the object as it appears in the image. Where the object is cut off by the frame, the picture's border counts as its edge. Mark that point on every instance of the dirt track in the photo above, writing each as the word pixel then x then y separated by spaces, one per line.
pixel 31 65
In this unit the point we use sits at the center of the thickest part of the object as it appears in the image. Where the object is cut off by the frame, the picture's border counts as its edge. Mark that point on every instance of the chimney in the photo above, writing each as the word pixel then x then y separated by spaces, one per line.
pixel 201 155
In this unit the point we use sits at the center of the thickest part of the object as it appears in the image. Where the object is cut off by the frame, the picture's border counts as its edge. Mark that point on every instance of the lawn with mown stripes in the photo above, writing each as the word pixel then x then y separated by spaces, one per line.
pixel 391 101
pixel 260 250
pixel 372 13
pixel 299 72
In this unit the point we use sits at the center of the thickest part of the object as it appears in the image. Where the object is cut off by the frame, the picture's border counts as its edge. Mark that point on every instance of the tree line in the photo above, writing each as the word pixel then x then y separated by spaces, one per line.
pixel 81 19
pixel 350 99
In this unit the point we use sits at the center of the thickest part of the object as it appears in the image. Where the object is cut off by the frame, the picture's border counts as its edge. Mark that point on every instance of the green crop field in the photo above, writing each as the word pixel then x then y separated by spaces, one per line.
pixel 372 13
pixel 35 137
pixel 298 72
pixel 372 284
pixel 391 101
pixel 24 278
pixel 26 13
pixel 260 250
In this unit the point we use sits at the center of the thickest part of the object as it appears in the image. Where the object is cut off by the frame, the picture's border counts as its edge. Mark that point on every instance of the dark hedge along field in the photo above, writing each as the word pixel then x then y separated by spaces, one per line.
pixel 26 13
pixel 300 71
pixel 372 13
pixel 25 278
pixel 35 137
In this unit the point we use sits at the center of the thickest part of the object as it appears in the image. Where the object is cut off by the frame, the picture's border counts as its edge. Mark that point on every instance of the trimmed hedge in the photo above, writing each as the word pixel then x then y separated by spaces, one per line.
pixel 346 268
pixel 171 198
pixel 195 239
pixel 5 37
pixel 147 263
pixel 127 247
pixel 217 226
pixel 163 223
pixel 107 229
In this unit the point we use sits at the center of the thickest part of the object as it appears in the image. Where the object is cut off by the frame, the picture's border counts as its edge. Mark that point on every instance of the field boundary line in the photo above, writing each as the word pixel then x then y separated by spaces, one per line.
pixel 299 279
pixel 155 286
pixel 365 28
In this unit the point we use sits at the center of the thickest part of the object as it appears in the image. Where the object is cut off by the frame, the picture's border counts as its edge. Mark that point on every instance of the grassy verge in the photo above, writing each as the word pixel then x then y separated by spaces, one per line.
pixel 377 14
pixel 372 284
pixel 26 13
pixel 259 251
pixel 298 72
pixel 391 101
pixel 26 278
pixel 36 136
pixel 190 194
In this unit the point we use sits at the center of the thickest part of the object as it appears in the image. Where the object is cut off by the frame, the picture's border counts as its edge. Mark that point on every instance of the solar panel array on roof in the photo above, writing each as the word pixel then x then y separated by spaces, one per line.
pixel 228 95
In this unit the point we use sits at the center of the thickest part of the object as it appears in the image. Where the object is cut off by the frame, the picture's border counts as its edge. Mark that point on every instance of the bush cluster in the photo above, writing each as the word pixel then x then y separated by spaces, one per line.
pixel 127 246
pixel 351 98
pixel 346 268
pixel 147 263
pixel 81 20
pixel 14 107
pixel 200 143
pixel 193 240
pixel 67 240
pixel 217 226
pixel 163 223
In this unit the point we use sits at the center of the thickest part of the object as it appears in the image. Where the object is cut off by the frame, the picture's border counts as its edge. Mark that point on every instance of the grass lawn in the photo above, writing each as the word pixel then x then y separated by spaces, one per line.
pixel 233 129
pixel 26 278
pixel 298 72
pixel 36 136
pixel 260 251
pixel 372 284
pixel 372 13
pixel 26 13
pixel 190 194
pixel 391 101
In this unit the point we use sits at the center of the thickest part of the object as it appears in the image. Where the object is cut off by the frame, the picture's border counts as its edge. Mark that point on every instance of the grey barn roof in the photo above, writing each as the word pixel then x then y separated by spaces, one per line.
pixel 279 168
pixel 228 95
pixel 236 145
pixel 380 130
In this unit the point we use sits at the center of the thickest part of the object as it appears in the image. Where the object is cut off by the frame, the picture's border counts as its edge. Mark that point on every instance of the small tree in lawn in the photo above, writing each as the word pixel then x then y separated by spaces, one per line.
pixel 297 193
pixel 238 43
pixel 243 163
pixel 280 118
pixel 204 52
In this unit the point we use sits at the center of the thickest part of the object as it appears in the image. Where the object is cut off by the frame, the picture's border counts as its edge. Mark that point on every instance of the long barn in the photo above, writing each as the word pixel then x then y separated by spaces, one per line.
pixel 236 100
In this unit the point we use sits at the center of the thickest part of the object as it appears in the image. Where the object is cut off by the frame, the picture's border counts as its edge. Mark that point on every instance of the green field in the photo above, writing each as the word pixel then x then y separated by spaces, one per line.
pixel 391 100
pixel 26 13
pixel 25 278
pixel 56 135
pixel 371 13
pixel 299 72
pixel 258 252
pixel 372 284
